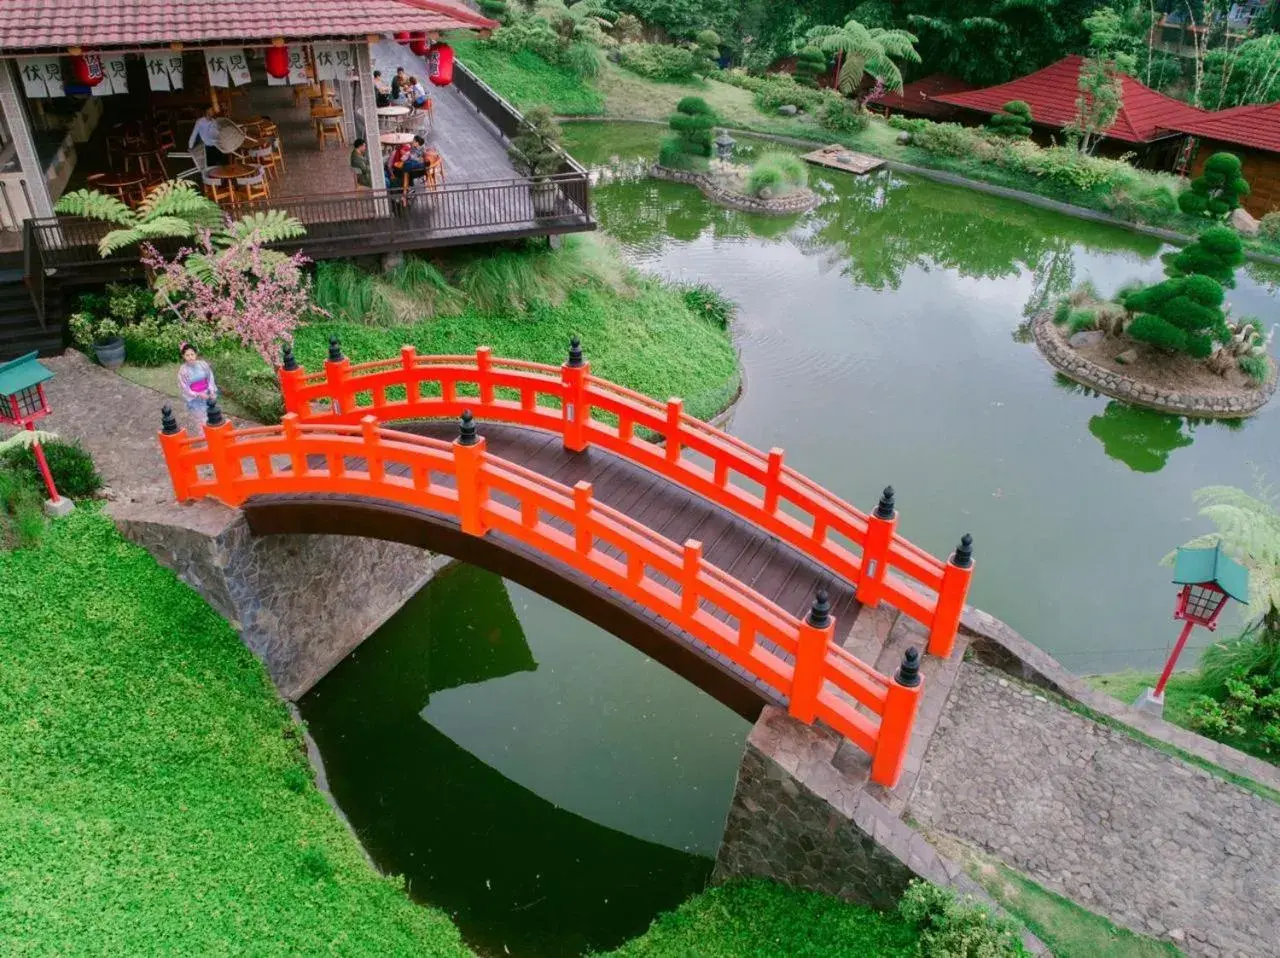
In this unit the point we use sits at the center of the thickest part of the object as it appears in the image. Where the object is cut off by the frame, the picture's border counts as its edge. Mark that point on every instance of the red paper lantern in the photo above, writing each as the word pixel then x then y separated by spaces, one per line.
pixel 402 37
pixel 440 68
pixel 419 46
pixel 277 62
pixel 87 69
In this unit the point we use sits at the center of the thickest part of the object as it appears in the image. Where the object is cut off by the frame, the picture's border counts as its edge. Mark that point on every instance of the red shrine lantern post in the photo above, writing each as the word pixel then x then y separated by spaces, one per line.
pixel 1209 577
pixel 22 402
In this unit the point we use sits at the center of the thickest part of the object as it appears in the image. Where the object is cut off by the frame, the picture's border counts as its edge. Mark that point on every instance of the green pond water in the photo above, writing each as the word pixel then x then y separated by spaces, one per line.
pixel 554 789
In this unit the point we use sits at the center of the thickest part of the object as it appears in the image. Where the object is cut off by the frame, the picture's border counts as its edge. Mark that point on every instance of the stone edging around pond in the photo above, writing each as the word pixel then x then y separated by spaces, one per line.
pixel 798 201
pixel 1054 347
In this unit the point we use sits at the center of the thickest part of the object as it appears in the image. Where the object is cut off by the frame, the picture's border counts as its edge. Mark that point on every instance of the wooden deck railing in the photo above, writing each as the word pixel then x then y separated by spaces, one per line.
pixel 864 550
pixel 817 678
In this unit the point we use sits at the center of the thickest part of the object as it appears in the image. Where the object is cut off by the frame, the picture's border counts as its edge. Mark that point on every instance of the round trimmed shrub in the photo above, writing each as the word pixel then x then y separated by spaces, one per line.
pixel 73 470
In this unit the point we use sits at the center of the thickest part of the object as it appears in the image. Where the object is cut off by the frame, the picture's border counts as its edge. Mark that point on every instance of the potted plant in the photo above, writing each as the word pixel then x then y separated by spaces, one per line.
pixel 101 332
pixel 535 152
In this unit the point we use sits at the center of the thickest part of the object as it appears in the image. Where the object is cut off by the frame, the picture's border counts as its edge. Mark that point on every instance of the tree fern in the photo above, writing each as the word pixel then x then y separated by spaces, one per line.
pixel 180 199
pixel 95 206
pixel 1249 530
pixel 24 439
pixel 866 50
pixel 269 226
pixel 162 227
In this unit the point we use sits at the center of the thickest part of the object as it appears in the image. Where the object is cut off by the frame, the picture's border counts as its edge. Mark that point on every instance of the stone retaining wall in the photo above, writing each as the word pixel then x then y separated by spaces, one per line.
pixel 300 603
pixel 798 201
pixel 1054 347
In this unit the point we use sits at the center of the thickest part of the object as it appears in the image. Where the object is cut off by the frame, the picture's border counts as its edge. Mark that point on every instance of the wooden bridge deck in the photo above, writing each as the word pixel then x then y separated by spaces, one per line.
pixel 754 557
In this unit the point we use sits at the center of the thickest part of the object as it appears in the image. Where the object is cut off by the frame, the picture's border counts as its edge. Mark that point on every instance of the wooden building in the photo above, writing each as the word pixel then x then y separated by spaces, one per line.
pixel 1251 133
pixel 919 98
pixel 105 94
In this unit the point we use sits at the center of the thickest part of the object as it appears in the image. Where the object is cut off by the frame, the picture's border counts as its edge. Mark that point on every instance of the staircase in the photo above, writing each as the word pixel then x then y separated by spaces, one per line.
pixel 20 329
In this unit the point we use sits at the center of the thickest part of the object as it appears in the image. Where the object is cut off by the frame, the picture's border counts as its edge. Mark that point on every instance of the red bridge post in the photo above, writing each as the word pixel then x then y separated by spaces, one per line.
pixel 217 434
pixel 468 458
pixel 899 717
pixel 172 443
pixel 336 370
pixel 291 377
pixel 881 527
pixel 811 659
pixel 955 587
pixel 573 404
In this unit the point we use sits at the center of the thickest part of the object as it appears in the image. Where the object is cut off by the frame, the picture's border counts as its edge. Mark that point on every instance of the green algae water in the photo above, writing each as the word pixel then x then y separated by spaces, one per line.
pixel 552 788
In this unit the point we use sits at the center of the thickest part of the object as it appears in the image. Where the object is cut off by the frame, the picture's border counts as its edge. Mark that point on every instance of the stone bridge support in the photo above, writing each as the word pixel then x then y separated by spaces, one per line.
pixel 299 602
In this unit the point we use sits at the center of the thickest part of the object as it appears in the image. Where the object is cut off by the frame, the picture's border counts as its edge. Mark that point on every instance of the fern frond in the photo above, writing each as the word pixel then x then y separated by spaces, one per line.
pixel 270 226
pixel 95 206
pixel 24 439
pixel 118 239
pixel 180 198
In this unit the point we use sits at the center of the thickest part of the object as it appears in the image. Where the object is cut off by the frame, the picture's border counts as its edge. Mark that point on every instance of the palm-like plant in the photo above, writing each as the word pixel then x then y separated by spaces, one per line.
pixel 25 439
pixel 861 49
pixel 175 209
pixel 172 210
pixel 1249 529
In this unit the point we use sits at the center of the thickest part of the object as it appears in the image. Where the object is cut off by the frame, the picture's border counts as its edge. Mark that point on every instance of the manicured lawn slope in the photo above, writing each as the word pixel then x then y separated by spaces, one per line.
pixel 649 341
pixel 762 920
pixel 526 79
pixel 153 797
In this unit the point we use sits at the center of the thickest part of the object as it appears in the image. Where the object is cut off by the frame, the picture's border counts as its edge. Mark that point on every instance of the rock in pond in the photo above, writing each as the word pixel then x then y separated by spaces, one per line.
pixel 788 109
pixel 1243 223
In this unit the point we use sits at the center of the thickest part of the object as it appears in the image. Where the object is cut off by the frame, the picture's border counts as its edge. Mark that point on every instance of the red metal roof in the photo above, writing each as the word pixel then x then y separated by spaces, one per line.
pixel 917 97
pixel 94 24
pixel 1144 114
pixel 1256 125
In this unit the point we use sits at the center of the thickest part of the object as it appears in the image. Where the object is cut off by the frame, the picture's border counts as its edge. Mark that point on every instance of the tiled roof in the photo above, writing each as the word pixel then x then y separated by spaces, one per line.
pixel 1144 114
pixel 1257 126
pixel 917 96
pixel 95 24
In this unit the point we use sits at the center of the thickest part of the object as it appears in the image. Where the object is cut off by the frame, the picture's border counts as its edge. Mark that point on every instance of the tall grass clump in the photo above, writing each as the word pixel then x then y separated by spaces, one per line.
pixel 776 174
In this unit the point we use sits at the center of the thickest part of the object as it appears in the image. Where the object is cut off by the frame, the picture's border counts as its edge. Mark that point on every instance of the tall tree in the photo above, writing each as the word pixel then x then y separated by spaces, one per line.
pixel 864 50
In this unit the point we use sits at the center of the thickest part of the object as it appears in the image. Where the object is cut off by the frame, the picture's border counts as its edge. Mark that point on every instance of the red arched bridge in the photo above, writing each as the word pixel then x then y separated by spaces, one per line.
pixel 663 521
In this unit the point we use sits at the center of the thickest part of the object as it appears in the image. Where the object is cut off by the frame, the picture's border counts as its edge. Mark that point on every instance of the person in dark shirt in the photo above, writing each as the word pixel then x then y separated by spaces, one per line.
pixel 398 84
pixel 381 90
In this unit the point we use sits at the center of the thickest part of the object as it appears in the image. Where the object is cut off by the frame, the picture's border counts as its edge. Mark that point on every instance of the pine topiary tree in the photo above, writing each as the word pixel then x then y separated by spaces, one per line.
pixel 1180 315
pixel 811 63
pixel 1013 120
pixel 1216 253
pixel 692 123
pixel 1217 190
pixel 494 9
pixel 706 52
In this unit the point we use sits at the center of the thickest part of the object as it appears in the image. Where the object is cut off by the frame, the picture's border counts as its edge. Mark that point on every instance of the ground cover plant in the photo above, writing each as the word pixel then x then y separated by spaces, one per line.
pixel 157 797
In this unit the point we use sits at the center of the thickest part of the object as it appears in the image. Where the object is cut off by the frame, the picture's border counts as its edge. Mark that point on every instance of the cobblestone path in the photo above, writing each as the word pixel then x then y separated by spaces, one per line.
pixel 1158 846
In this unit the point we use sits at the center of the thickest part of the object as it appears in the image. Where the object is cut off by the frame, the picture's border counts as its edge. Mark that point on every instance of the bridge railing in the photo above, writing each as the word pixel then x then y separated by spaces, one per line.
pixel 865 550
pixel 795 657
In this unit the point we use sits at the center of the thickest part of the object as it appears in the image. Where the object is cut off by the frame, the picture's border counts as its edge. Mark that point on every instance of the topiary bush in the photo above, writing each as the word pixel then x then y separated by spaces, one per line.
pixel 693 123
pixel 1217 252
pixel 1013 120
pixel 1180 315
pixel 73 470
pixel 951 927
pixel 1217 190
pixel 811 63
pixel 671 154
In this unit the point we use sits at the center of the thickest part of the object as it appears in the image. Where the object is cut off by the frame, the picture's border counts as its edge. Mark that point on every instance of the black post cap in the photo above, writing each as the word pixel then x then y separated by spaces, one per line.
pixel 885 507
pixel 820 613
pixel 335 350
pixel 215 413
pixel 575 351
pixel 909 671
pixel 289 364
pixel 963 556
pixel 168 424
pixel 467 429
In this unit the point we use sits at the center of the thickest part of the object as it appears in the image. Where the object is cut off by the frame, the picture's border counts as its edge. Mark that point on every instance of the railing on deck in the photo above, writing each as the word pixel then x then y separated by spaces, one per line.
pixel 484 493
pixel 864 550
pixel 450 213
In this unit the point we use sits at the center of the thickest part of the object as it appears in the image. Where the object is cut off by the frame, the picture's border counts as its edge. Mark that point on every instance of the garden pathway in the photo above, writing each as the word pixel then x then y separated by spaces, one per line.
pixel 1157 845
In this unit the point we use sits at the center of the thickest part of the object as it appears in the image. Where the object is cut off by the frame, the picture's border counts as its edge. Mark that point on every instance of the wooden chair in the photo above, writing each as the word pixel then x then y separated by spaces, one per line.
pixel 435 173
pixel 266 156
pixel 330 126
pixel 423 117
pixel 255 187
pixel 217 189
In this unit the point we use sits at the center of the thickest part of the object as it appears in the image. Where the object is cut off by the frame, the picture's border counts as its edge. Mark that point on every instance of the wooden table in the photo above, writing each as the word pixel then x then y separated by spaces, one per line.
pixel 325 112
pixel 122 184
pixel 230 172
pixel 393 140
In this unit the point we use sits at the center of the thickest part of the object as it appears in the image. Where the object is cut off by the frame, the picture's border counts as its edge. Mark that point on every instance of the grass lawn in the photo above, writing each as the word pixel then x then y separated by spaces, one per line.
pixel 526 79
pixel 154 798
pixel 762 920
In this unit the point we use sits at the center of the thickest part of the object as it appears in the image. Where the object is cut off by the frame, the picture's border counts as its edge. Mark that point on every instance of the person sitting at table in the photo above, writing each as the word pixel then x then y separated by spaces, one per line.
pixel 398 83
pixel 206 132
pixel 416 93
pixel 381 90
pixel 360 163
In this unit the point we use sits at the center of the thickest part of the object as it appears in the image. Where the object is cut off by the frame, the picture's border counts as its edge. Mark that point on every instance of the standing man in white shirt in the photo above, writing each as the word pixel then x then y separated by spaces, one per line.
pixel 206 132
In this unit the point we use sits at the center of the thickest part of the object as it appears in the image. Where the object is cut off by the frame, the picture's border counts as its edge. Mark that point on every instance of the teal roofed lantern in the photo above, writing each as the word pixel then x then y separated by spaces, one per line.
pixel 1198 566
pixel 22 399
